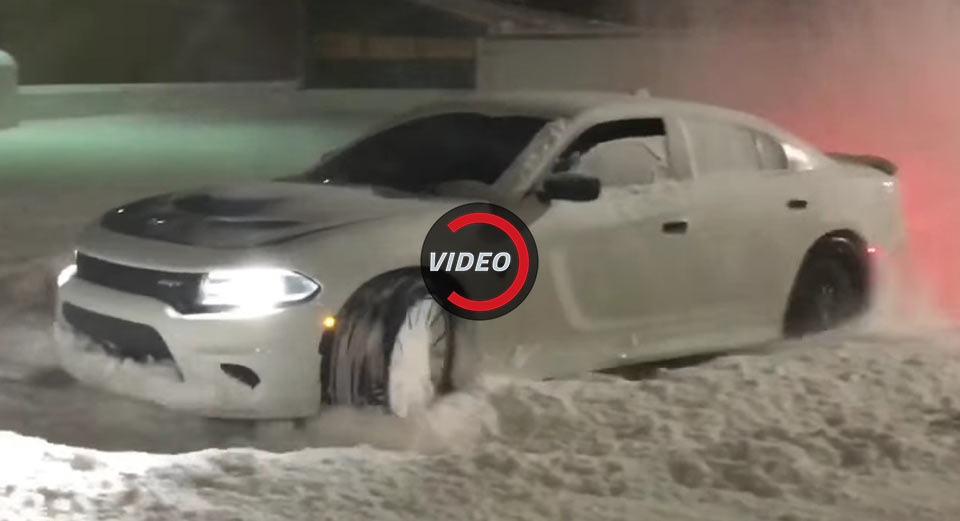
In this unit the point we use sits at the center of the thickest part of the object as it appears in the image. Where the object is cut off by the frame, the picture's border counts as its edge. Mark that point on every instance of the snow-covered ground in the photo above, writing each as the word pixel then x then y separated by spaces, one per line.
pixel 862 424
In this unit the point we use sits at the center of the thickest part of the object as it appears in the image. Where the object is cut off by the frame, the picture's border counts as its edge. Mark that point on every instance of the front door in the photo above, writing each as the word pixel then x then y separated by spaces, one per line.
pixel 613 282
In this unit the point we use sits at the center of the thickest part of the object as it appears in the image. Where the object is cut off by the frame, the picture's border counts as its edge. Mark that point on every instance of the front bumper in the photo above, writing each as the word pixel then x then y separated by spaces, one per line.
pixel 280 348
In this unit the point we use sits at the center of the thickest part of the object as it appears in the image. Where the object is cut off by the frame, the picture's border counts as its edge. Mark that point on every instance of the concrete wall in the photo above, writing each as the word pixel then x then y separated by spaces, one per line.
pixel 859 76
pixel 8 90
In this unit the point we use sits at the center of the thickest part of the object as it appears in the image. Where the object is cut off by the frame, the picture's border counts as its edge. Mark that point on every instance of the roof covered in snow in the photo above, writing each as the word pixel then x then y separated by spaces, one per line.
pixel 601 105
pixel 563 103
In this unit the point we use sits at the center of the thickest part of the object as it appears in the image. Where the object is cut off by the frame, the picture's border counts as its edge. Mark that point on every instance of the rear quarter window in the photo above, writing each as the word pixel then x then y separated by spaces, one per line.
pixel 721 147
pixel 771 153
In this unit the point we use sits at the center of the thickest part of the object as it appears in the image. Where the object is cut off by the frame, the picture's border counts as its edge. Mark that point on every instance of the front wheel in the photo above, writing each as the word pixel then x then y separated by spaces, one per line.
pixel 394 347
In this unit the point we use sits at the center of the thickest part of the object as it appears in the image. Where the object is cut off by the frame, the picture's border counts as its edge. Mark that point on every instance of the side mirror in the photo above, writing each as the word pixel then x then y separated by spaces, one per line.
pixel 570 187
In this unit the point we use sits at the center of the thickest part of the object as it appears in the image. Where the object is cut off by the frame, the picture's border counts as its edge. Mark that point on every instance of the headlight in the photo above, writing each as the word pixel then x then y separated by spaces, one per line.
pixel 254 289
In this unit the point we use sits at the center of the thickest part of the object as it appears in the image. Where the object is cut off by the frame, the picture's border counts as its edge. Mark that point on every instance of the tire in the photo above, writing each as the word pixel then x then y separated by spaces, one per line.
pixel 394 347
pixel 828 292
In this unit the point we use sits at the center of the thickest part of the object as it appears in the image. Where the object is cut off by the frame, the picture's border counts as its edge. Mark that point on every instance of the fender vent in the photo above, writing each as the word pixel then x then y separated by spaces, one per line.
pixel 242 374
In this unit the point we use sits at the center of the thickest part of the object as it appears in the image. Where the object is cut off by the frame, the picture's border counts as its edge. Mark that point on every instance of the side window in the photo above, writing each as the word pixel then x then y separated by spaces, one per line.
pixel 772 154
pixel 619 153
pixel 720 147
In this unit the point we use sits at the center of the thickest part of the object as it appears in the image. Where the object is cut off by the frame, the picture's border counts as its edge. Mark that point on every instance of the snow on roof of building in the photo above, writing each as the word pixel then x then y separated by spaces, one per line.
pixel 502 18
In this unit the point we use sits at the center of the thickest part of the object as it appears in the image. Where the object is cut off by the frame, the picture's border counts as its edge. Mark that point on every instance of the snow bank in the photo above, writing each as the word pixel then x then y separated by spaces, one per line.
pixel 843 427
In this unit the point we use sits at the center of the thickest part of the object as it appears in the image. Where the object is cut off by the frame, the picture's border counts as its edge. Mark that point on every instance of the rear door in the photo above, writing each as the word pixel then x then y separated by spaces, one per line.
pixel 750 206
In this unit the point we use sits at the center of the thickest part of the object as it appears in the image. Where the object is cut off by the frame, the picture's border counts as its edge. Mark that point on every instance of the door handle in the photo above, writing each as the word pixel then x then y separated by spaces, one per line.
pixel 675 227
pixel 797 204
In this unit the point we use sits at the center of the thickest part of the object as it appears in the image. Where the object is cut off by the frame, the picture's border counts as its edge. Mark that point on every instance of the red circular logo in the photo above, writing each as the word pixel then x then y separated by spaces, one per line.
pixel 479 261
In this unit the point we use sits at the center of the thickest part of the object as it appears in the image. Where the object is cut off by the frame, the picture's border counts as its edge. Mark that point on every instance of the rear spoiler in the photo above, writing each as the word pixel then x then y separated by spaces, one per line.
pixel 878 163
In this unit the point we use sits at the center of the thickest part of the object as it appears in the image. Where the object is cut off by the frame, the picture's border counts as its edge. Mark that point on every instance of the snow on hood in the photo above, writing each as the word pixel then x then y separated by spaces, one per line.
pixel 255 215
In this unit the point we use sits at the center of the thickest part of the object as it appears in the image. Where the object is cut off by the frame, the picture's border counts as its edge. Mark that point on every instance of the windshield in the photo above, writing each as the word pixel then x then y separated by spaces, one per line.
pixel 420 154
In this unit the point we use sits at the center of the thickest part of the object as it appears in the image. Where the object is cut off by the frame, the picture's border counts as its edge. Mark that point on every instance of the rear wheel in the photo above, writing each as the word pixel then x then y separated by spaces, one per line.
pixel 829 291
pixel 394 347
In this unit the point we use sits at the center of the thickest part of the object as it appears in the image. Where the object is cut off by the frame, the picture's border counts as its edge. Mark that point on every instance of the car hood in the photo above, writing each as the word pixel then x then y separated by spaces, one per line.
pixel 258 215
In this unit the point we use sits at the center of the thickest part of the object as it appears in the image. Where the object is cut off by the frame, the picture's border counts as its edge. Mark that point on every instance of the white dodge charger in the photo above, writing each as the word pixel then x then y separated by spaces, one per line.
pixel 664 229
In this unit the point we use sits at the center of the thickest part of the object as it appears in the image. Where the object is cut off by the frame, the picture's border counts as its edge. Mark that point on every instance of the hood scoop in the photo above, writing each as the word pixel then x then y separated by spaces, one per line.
pixel 218 206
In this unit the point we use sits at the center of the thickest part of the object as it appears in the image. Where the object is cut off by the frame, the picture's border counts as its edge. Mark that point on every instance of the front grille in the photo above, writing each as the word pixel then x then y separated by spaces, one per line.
pixel 119 338
pixel 179 290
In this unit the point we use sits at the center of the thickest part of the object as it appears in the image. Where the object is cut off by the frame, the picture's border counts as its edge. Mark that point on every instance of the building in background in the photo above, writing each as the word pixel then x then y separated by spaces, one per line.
pixel 416 43
pixel 324 43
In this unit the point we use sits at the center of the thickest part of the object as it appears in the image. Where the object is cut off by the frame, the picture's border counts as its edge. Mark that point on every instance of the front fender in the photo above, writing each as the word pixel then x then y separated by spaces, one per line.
pixel 342 260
